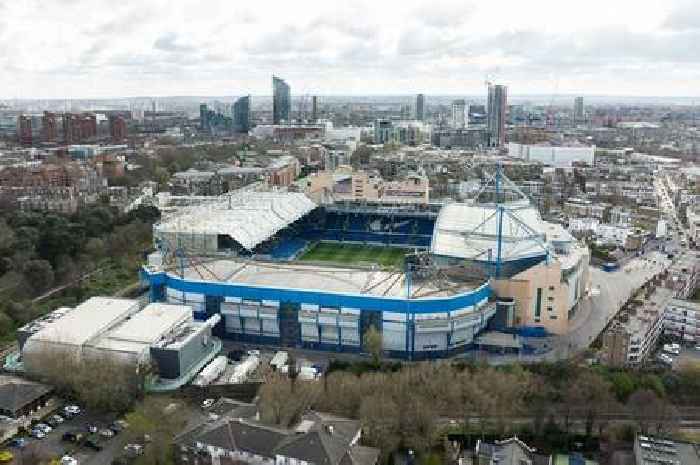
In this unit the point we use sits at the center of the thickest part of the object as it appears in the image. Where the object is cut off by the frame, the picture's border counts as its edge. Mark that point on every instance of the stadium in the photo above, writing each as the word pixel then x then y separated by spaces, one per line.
pixel 285 271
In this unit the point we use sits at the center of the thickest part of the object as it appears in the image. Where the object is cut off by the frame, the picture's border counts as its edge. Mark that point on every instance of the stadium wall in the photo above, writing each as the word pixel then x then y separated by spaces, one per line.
pixel 411 328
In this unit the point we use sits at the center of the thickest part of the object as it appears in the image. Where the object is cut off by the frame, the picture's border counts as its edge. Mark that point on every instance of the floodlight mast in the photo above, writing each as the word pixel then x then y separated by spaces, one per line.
pixel 499 209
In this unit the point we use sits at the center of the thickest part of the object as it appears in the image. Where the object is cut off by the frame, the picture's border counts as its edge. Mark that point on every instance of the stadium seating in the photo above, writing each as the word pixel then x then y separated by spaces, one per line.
pixel 287 249
pixel 375 228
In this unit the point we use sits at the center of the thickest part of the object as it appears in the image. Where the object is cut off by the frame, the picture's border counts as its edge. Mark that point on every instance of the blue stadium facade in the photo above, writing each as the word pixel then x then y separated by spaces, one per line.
pixel 415 328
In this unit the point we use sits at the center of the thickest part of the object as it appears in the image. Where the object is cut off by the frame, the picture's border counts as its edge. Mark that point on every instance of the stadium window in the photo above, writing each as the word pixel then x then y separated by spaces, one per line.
pixel 550 309
pixel 538 303
pixel 551 288
pixel 550 298
pixel 553 317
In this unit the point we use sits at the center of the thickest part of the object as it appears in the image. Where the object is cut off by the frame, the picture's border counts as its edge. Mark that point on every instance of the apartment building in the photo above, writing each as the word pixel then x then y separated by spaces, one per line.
pixel 632 336
pixel 347 184
pixel 682 320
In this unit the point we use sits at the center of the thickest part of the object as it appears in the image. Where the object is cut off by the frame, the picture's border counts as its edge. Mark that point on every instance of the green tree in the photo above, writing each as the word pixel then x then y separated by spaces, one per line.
pixel 39 274
pixel 372 344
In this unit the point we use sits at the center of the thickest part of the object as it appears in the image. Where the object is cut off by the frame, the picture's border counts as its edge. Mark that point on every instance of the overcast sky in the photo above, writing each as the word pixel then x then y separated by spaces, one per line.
pixel 110 48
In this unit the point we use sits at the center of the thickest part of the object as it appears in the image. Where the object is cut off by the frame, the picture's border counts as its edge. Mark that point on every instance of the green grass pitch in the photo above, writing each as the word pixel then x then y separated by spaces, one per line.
pixel 355 253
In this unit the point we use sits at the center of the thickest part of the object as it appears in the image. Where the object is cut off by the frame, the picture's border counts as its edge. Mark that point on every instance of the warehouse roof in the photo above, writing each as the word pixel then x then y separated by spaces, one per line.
pixel 89 319
pixel 247 217
pixel 144 328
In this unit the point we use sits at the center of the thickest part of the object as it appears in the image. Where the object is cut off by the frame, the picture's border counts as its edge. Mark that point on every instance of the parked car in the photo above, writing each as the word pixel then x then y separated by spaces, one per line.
pixel 673 349
pixel 73 436
pixel 208 403
pixel 19 443
pixel 116 428
pixel 38 434
pixel 132 450
pixel 6 456
pixel 107 433
pixel 71 410
pixel 92 444
pixel 43 427
pixel 68 460
pixel 55 420
pixel 665 358
pixel 91 428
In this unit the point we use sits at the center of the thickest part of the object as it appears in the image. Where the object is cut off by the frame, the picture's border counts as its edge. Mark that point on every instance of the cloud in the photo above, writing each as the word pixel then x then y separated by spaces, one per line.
pixel 684 17
pixel 171 42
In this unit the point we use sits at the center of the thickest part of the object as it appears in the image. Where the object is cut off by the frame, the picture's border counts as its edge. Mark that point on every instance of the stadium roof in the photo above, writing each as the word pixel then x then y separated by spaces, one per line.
pixel 248 217
pixel 471 232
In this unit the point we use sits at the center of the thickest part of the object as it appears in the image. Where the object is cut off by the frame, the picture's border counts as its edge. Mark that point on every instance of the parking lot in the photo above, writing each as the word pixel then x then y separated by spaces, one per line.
pixel 53 444
pixel 688 354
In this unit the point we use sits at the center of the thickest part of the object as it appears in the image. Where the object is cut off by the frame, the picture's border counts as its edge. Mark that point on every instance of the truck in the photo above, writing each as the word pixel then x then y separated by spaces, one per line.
pixel 661 229
pixel 212 371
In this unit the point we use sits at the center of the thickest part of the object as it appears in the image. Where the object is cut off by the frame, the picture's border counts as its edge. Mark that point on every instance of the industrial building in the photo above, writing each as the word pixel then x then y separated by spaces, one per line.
pixel 121 330
pixel 237 257
pixel 551 155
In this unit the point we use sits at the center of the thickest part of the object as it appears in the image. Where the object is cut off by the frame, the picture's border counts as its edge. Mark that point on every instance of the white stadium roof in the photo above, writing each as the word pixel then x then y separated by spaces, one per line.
pixel 248 217
pixel 471 232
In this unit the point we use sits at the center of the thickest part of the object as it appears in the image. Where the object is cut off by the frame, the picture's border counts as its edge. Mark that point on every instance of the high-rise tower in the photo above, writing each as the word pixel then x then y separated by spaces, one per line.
pixel 241 115
pixel 281 100
pixel 420 107
pixel 496 114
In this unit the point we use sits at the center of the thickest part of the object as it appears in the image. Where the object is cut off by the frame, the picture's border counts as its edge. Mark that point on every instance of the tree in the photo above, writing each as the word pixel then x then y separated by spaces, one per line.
pixel 597 397
pixel 379 417
pixel 643 406
pixel 95 249
pixel 39 274
pixel 160 419
pixel 373 344
pixel 623 385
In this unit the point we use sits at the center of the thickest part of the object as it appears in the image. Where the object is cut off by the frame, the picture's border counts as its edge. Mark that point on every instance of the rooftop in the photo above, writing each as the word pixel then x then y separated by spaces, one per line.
pixel 471 231
pixel 247 217
pixel 323 278
pixel 145 327
pixel 88 320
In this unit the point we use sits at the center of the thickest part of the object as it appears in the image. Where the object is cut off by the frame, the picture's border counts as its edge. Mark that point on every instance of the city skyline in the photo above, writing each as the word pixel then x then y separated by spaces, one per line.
pixel 447 48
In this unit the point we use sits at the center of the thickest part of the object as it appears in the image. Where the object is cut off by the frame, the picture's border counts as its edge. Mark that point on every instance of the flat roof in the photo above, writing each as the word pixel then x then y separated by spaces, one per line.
pixel 148 325
pixel 320 278
pixel 86 321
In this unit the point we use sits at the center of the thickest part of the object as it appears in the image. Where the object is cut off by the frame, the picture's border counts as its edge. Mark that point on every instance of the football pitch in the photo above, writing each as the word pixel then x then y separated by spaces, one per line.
pixel 355 253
